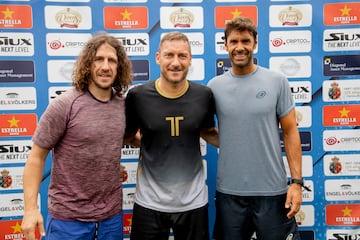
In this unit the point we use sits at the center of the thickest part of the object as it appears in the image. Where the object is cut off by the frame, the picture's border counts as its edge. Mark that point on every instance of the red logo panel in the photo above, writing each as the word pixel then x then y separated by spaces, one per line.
pixel 343 215
pixel 12 230
pixel 15 125
pixel 341 115
pixel 224 14
pixel 126 18
pixel 341 13
pixel 15 16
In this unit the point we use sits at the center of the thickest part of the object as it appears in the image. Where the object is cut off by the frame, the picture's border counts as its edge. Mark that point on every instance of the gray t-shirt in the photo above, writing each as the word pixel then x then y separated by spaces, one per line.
pixel 86 137
pixel 248 110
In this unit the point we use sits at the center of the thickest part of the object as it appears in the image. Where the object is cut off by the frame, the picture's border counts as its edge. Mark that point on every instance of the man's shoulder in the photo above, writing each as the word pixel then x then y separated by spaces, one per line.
pixel 199 87
pixel 68 95
pixel 269 72
pixel 140 91
pixel 142 86
pixel 218 78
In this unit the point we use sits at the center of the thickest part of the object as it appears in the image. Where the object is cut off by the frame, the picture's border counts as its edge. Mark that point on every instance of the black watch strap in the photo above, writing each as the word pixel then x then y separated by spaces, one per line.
pixel 300 182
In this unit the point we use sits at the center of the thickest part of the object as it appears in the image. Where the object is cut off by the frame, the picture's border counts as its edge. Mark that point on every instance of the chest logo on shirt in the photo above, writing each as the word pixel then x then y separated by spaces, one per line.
pixel 261 94
pixel 174 125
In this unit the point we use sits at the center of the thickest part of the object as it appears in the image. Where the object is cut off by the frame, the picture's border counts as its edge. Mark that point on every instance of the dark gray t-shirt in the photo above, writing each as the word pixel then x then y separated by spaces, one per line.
pixel 171 173
pixel 86 137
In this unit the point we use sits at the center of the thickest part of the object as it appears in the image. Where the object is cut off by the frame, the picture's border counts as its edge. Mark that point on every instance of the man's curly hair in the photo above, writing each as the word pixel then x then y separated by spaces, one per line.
pixel 82 70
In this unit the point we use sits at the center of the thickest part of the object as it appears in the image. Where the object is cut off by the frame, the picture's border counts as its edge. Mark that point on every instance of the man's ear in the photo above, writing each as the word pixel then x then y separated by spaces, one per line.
pixel 225 45
pixel 256 43
pixel 157 57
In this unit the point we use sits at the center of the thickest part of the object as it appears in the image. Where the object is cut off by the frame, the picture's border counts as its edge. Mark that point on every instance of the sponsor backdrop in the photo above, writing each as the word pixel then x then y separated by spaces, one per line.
pixel 314 43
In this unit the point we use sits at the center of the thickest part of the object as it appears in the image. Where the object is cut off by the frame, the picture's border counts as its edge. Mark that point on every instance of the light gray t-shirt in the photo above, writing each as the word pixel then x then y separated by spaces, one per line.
pixel 248 110
pixel 86 137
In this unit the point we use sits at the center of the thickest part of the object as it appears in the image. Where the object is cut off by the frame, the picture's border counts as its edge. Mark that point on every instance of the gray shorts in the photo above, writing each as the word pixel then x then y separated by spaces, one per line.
pixel 239 217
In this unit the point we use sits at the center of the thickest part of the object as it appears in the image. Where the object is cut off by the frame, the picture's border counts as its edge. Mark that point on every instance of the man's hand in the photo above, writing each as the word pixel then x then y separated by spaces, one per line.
pixel 293 199
pixel 32 220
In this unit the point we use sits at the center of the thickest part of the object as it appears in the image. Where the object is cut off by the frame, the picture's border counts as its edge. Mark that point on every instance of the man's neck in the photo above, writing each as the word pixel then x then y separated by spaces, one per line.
pixel 171 90
pixel 102 95
pixel 244 70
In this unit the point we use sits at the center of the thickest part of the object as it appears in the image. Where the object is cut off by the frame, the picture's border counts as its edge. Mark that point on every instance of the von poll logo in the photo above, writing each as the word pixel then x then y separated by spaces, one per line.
pixel 292 66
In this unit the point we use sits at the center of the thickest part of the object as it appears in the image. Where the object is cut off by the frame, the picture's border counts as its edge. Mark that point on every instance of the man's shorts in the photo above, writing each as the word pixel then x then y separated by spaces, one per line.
pixel 108 229
pixel 148 224
pixel 239 217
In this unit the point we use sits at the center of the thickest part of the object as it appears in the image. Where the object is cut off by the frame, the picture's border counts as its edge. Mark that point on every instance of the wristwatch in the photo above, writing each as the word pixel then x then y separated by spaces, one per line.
pixel 297 181
pixel 300 182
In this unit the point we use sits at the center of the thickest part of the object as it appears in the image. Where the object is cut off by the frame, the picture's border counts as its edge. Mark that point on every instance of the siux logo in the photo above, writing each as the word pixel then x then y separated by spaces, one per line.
pixel 344 236
pixel 343 36
pixel 132 42
pixel 6 41
pixel 11 148
pixel 300 90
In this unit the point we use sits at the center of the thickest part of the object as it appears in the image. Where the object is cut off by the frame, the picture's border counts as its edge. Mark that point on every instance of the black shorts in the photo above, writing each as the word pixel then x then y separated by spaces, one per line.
pixel 240 217
pixel 148 224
